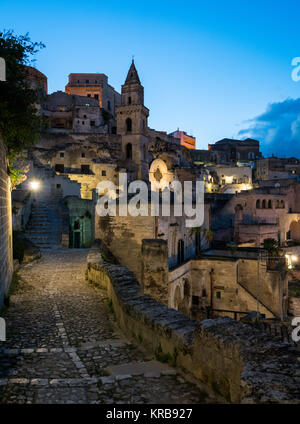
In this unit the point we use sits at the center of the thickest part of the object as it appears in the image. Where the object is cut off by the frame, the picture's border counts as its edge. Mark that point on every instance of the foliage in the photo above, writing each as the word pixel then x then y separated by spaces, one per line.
pixel 232 247
pixel 203 232
pixel 19 121
pixel 272 247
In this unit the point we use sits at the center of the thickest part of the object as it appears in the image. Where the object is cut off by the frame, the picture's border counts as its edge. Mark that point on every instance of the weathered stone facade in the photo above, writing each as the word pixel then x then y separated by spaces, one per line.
pixel 6 256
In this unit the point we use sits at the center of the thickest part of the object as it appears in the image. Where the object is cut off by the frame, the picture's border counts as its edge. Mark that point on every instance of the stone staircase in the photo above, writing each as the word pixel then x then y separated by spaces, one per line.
pixel 44 226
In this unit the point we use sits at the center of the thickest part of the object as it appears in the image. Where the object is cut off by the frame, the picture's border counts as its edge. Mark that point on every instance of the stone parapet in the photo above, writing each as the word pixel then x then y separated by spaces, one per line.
pixel 237 361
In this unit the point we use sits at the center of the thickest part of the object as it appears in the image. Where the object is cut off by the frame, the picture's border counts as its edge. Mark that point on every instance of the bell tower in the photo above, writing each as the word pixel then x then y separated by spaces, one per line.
pixel 132 124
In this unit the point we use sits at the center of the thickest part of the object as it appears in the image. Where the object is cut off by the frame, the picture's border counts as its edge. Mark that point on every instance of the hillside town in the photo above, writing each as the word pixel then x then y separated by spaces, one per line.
pixel 239 270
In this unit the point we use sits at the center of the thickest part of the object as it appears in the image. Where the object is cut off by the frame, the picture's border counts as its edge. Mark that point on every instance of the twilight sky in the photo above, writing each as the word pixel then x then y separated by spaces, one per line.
pixel 211 68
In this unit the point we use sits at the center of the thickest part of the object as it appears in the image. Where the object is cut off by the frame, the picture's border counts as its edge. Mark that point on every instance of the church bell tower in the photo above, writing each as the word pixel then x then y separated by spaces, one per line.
pixel 132 124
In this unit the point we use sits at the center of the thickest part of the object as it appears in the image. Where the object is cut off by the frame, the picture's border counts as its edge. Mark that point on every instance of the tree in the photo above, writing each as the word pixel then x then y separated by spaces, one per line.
pixel 202 233
pixel 19 121
pixel 272 247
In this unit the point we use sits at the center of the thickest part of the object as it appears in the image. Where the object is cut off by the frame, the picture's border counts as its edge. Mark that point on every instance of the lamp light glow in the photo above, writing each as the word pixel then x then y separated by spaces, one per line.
pixel 34 185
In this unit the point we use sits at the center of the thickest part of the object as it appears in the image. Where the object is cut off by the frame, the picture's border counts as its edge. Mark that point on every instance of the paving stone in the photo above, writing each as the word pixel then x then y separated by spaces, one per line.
pixel 61 339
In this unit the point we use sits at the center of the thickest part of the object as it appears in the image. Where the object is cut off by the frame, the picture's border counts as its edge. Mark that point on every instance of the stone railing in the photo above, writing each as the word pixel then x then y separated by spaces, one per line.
pixel 237 361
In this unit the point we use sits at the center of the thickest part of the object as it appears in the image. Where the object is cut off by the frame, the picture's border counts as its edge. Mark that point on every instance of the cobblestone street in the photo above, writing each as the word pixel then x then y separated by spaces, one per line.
pixel 63 345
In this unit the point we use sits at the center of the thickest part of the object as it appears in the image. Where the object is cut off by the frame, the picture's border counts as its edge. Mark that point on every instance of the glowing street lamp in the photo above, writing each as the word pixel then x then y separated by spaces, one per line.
pixel 34 185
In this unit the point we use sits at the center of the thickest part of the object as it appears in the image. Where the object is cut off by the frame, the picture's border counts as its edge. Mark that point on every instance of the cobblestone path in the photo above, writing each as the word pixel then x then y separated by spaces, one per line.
pixel 63 345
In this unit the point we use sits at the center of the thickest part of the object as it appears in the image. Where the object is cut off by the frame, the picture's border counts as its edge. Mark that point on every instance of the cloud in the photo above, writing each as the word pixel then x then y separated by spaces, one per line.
pixel 277 129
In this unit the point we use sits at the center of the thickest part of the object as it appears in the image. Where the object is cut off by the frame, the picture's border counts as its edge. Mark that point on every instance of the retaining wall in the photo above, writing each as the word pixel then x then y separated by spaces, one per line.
pixel 239 362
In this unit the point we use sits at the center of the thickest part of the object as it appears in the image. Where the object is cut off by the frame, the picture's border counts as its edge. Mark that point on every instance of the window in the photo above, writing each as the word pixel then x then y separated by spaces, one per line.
pixel 144 152
pixel 87 81
pixel 218 295
pixel 114 130
pixel 58 185
pixel 263 204
pixel 223 182
pixel 82 122
pixel 59 167
pixel 128 125
pixel 96 96
pixel 84 116
pixel 92 123
pixel 288 235
pixel 270 204
pixel 103 173
pixel 129 100
pixel 83 155
pixel 108 104
pixel 89 95
pixel 85 169
pixel 129 151
pixel 204 293
pixel 195 300
pixel 180 252
pixel 234 181
pixel 258 204
pixel 61 155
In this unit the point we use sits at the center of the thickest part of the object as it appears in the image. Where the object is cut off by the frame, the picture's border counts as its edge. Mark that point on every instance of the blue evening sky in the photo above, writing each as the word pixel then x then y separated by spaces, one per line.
pixel 207 66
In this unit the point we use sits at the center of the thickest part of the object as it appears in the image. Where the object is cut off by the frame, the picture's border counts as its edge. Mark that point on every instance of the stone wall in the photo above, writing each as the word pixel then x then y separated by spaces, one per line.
pixel 234 359
pixel 228 286
pixel 155 269
pixel 6 258
pixel 123 236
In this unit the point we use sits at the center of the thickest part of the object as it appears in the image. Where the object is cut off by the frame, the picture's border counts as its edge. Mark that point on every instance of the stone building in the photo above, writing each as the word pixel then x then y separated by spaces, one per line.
pixel 6 255
pixel 274 168
pixel 186 140
pixel 94 86
pixel 230 151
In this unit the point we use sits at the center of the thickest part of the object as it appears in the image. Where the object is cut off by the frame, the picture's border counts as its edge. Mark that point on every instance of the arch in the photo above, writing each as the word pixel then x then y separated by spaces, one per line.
pixel 129 151
pixel 177 297
pixel 263 204
pixel 251 155
pixel 180 252
pixel 294 230
pixel 186 289
pixel 128 125
pixel 257 204
pixel 270 206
